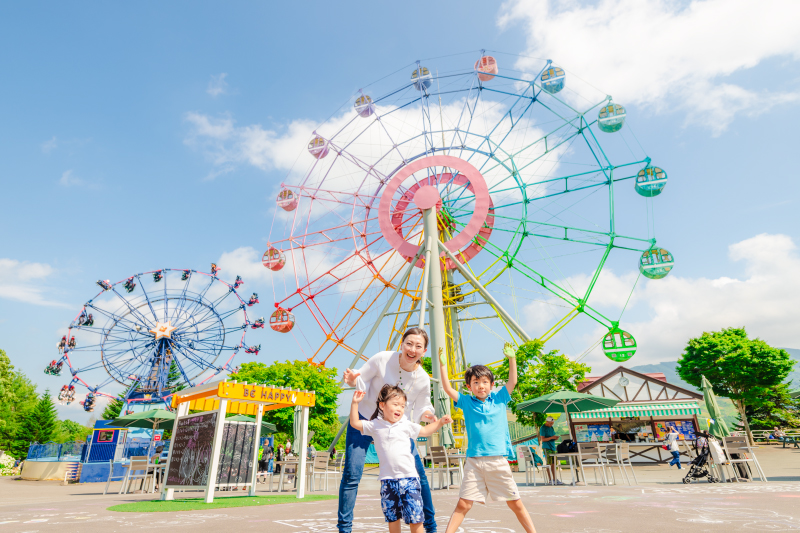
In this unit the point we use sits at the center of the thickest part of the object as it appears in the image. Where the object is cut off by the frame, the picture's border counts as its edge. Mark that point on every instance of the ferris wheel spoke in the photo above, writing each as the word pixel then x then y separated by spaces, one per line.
pixel 119 318
pixel 198 300
pixel 181 301
pixel 147 299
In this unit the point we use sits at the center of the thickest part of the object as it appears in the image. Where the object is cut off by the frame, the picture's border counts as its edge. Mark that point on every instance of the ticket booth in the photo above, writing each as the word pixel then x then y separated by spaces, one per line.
pixel 196 451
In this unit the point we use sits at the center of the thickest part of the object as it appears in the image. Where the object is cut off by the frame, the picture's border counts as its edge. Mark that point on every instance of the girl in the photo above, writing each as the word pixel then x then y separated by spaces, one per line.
pixel 403 369
pixel 401 492
pixel 672 444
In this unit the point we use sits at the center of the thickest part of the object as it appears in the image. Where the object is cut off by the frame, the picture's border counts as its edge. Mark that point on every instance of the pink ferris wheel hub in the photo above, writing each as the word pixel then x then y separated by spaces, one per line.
pixel 428 197
pixel 394 214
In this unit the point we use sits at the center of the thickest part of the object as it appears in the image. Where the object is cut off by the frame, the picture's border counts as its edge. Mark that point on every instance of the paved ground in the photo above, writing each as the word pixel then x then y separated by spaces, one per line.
pixel 660 504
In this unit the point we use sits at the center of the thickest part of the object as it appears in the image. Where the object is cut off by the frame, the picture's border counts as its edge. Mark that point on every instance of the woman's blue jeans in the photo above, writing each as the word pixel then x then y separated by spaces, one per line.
pixel 355 454
pixel 676 459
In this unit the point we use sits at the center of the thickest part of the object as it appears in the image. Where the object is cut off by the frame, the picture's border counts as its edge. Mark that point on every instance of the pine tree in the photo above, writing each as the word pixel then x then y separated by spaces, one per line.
pixel 38 425
pixel 175 380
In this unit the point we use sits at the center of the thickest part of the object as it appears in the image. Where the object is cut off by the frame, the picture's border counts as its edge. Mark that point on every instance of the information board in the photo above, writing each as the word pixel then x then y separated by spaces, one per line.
pixel 592 432
pixel 236 453
pixel 684 427
pixel 191 450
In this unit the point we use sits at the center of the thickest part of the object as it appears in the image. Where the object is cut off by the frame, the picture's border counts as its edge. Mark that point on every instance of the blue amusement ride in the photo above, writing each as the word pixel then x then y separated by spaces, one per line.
pixel 149 332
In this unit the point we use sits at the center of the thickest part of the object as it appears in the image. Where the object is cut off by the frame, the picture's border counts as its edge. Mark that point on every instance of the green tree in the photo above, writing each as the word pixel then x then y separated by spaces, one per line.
pixel 70 431
pixel 774 408
pixel 737 367
pixel 38 425
pixel 305 376
pixel 17 397
pixel 114 407
pixel 538 374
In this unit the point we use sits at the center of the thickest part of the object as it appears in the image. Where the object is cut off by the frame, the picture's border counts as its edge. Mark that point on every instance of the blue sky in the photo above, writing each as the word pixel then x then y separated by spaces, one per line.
pixel 105 173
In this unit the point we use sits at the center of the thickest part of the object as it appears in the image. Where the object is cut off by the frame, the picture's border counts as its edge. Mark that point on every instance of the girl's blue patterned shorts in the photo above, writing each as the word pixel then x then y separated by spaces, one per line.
pixel 402 498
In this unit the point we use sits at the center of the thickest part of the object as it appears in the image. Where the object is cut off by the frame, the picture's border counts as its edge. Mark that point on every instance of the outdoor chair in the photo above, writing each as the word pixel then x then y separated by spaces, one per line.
pixel 112 477
pixel 288 475
pixel 590 451
pixel 440 464
pixel 322 467
pixel 740 447
pixel 569 456
pixel 137 469
pixel 338 463
pixel 525 456
pixel 617 456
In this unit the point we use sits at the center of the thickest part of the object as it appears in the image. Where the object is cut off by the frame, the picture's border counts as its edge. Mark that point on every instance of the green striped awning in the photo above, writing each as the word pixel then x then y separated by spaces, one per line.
pixel 641 409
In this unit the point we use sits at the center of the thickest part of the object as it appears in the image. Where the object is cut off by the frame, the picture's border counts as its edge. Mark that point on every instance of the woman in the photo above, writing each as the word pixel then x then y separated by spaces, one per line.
pixel 403 369
pixel 672 445
pixel 280 455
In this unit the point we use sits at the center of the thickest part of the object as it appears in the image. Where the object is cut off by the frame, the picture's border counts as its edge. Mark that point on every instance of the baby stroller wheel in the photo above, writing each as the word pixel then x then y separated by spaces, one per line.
pixel 687 480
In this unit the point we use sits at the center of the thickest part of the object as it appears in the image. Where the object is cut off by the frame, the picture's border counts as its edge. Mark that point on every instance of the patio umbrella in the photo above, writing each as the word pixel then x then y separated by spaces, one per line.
pixel 566 401
pixel 718 427
pixel 266 427
pixel 152 419
pixel 296 429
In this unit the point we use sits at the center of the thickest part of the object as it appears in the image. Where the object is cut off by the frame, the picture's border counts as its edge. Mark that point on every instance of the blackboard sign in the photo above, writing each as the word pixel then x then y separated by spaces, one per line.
pixel 236 453
pixel 191 450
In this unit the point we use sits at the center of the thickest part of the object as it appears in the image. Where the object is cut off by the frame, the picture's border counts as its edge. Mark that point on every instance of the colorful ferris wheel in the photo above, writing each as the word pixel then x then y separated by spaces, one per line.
pixel 459 196
pixel 144 332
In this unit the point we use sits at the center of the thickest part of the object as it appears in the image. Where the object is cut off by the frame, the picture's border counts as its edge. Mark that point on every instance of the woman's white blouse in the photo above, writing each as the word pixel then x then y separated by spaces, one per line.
pixel 382 369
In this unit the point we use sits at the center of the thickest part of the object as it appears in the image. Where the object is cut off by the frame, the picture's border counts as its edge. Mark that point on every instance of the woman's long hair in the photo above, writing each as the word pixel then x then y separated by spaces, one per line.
pixel 387 393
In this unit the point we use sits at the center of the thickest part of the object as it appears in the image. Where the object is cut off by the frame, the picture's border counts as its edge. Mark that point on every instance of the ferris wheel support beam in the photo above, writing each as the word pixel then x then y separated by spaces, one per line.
pixel 438 333
pixel 486 294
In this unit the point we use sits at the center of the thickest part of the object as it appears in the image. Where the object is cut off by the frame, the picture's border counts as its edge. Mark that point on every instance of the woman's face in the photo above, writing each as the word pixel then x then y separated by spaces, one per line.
pixel 413 349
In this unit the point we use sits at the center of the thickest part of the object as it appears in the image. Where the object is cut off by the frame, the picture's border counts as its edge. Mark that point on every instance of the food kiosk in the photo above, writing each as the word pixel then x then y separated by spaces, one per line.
pixel 648 406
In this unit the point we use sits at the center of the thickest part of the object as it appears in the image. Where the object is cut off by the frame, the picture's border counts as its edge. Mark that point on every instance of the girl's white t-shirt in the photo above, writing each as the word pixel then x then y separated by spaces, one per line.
pixel 393 444
pixel 672 441
pixel 383 368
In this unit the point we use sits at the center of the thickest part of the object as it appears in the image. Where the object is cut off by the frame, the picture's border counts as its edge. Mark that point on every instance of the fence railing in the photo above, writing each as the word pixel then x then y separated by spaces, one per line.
pixel 86 453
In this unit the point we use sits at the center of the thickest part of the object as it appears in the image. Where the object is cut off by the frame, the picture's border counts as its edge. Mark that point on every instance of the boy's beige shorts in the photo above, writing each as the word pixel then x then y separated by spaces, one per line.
pixel 488 476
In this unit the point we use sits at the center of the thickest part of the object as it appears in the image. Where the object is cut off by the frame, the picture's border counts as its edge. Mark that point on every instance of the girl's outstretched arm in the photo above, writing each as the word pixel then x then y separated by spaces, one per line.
pixel 354 420
pixel 430 429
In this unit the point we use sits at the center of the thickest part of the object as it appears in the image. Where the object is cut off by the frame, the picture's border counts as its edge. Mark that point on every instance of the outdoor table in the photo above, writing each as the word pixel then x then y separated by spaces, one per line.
pixel 284 463
pixel 155 467
pixel 790 440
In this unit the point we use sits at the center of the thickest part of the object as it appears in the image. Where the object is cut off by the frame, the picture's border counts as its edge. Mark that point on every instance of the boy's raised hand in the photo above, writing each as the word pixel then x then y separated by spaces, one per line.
pixel 508 351
pixel 442 357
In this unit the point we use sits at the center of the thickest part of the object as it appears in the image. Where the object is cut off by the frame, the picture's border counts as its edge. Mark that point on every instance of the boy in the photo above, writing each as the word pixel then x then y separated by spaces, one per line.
pixel 486 471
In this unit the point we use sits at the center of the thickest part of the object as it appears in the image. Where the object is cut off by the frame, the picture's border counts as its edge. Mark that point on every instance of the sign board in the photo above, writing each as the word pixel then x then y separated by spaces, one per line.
pixel 236 453
pixel 261 393
pixel 191 447
pixel 684 427
pixel 592 432
pixel 157 438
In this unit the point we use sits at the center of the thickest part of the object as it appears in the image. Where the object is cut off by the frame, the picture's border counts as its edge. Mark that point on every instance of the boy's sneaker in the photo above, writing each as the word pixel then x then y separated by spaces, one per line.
pixel 559 482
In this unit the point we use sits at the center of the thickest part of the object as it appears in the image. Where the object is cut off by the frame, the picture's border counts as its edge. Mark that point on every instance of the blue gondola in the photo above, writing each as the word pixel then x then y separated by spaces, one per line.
pixel 650 181
pixel 421 78
pixel 611 117
pixel 553 79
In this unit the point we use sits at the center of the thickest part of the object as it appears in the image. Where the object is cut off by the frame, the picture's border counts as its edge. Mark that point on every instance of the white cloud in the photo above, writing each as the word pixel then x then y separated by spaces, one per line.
pixel 22 281
pixel 217 85
pixel 664 54
pixel 69 180
pixel 664 314
pixel 49 145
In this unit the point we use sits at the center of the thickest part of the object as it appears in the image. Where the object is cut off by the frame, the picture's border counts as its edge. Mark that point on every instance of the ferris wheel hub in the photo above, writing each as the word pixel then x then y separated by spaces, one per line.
pixel 163 330
pixel 449 173
pixel 428 197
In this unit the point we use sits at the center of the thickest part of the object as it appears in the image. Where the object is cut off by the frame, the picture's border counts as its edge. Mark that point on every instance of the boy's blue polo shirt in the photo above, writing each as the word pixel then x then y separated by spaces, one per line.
pixel 486 423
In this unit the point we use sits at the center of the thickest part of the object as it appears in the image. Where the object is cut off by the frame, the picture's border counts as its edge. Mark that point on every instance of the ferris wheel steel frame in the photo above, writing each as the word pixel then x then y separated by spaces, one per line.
pixel 134 358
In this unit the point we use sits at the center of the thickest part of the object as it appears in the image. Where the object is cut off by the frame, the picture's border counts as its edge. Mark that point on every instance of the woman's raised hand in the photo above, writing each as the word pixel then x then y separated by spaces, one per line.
pixel 427 416
pixel 350 377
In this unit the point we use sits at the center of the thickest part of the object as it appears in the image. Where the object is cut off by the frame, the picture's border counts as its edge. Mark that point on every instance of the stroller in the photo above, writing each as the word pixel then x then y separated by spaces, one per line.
pixel 700 466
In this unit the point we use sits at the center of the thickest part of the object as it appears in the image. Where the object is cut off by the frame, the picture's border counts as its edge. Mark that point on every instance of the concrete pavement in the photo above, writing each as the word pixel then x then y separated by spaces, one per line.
pixel 661 503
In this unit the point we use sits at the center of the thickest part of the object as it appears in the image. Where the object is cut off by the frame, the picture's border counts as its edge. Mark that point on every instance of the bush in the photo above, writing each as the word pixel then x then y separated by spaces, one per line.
pixel 7 465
